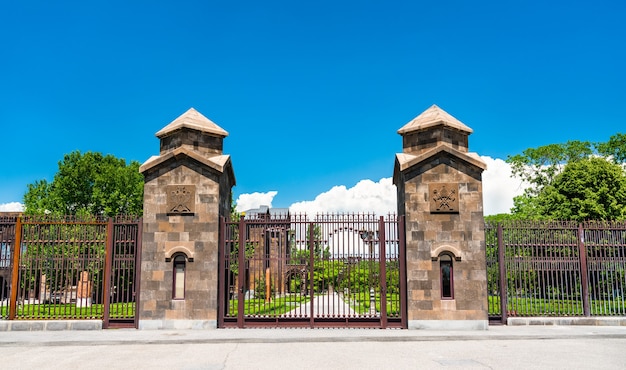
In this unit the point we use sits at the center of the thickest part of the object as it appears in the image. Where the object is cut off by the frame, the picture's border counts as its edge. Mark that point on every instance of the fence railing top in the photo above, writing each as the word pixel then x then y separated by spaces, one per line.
pixel 319 217
pixel 552 224
pixel 73 219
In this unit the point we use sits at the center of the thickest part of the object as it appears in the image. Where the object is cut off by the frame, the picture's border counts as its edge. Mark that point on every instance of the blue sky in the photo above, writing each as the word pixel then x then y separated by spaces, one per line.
pixel 312 94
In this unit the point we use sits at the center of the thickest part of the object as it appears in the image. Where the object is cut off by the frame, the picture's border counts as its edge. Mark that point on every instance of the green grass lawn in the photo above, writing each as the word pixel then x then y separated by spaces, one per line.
pixel 277 306
pixel 70 311
pixel 537 307
pixel 555 307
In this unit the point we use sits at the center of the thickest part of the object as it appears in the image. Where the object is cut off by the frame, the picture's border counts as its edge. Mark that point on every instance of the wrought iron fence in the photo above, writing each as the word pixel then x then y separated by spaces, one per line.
pixel 69 268
pixel 330 270
pixel 553 268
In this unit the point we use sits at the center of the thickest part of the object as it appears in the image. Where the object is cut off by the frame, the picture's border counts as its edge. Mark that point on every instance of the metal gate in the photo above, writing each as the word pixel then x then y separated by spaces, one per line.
pixel 123 264
pixel 334 270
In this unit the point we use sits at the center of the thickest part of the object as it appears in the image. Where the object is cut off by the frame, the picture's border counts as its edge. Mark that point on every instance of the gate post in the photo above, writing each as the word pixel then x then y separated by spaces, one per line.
pixel 17 251
pixel 187 189
pixel 439 187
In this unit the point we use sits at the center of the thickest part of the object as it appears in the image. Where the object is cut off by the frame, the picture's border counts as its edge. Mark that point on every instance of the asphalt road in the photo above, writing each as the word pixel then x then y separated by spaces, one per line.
pixel 528 347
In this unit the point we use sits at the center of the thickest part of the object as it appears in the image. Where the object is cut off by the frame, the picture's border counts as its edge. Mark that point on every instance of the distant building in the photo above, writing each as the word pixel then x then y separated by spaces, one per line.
pixel 267 213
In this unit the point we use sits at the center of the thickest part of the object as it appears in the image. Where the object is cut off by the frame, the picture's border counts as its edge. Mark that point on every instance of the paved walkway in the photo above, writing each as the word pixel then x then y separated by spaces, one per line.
pixel 329 304
pixel 500 347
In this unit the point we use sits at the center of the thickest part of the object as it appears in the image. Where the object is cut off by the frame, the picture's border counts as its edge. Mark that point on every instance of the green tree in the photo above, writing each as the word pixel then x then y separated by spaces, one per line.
pixel 89 183
pixel 500 217
pixel 526 207
pixel 539 166
pixel 615 148
pixel 550 192
pixel 39 197
pixel 588 189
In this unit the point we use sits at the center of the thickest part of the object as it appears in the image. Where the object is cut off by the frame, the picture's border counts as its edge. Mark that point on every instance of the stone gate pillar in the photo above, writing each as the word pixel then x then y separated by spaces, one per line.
pixel 187 188
pixel 440 193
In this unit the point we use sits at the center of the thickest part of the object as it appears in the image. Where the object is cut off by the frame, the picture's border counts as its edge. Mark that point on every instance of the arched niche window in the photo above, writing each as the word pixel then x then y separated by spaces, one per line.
pixel 446 276
pixel 180 267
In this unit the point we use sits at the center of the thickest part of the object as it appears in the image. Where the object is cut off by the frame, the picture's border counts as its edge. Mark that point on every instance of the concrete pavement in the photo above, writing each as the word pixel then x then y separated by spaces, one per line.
pixel 500 347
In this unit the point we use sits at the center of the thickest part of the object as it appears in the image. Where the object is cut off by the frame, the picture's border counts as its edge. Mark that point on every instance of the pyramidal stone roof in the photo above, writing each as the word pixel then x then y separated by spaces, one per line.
pixel 431 117
pixel 192 119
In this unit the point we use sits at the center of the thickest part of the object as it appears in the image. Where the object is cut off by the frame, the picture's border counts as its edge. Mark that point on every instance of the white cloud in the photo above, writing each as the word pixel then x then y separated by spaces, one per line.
pixel 366 196
pixel 499 187
pixel 12 207
pixel 254 200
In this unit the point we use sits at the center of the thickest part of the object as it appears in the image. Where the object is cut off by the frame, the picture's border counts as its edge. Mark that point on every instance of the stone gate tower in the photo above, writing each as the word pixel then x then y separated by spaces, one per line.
pixel 440 193
pixel 187 188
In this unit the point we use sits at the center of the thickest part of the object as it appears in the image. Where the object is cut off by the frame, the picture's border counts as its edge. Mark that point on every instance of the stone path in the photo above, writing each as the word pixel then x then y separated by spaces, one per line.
pixel 328 305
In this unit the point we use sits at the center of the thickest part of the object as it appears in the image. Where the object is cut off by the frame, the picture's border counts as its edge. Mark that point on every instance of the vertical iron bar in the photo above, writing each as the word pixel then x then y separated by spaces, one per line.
pixel 222 289
pixel 108 261
pixel 546 277
pixel 402 258
pixel 502 270
pixel 622 266
pixel 137 284
pixel 509 262
pixel 545 252
pixel 583 270
pixel 382 257
pixel 16 262
pixel 311 275
pixel 241 273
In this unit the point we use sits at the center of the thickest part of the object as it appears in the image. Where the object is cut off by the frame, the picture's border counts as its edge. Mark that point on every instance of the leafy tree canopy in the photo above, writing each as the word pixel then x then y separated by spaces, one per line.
pixel 539 166
pixel 88 183
pixel 615 148
pixel 499 218
pixel 577 180
pixel 588 189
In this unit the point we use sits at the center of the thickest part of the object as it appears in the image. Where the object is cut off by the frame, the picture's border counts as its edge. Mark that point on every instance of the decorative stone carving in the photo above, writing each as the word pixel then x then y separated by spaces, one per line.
pixel 444 198
pixel 181 199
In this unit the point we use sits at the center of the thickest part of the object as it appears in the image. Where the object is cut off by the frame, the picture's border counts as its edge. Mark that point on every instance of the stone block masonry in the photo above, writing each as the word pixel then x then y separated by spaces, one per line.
pixel 187 189
pixel 440 193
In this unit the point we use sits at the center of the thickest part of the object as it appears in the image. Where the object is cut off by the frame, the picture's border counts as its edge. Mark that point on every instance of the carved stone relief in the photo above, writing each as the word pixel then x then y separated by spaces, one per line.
pixel 181 199
pixel 444 198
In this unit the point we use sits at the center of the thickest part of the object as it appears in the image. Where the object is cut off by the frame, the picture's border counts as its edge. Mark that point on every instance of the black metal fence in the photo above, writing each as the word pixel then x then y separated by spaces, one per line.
pixel 69 268
pixel 556 269
pixel 328 271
